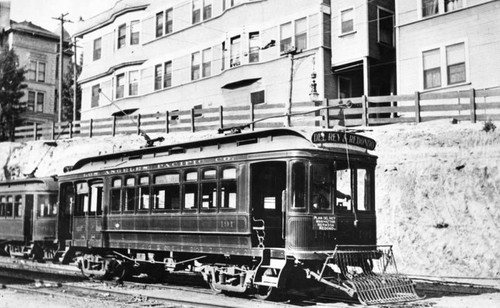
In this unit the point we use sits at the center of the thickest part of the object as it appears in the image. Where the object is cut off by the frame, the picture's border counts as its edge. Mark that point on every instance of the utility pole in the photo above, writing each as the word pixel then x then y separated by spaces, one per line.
pixel 61 65
pixel 75 66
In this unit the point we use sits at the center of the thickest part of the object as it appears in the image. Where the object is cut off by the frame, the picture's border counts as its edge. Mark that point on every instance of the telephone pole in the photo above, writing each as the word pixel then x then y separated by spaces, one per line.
pixel 61 65
pixel 75 68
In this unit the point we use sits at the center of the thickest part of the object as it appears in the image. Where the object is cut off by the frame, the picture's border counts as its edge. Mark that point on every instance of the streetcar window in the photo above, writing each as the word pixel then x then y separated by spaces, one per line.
pixel 363 194
pixel 321 187
pixel 9 206
pixel 191 176
pixel 3 200
pixel 96 194
pixel 228 189
pixel 144 193
pixel 46 206
pixel 343 193
pixel 129 195
pixel 18 208
pixel 82 198
pixel 209 190
pixel 167 195
pixel 116 195
pixel 299 182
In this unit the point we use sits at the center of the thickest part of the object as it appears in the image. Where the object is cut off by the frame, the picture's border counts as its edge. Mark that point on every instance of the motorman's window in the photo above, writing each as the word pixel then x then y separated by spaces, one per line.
pixel 343 192
pixel 9 206
pixel 129 195
pixel 3 200
pixel 299 182
pixel 166 192
pixel 190 190
pixel 209 189
pixel 364 192
pixel 144 193
pixel 228 189
pixel 116 195
pixel 321 187
pixel 82 198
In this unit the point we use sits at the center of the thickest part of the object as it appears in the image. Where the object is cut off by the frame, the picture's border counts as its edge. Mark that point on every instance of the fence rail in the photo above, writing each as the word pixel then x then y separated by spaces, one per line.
pixel 469 105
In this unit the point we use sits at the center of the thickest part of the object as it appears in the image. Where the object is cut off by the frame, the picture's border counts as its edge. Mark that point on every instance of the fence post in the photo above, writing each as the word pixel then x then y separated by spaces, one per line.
pixel 417 107
pixel 113 126
pixel 70 124
pixel 473 106
pixel 221 117
pixel 192 120
pixel 35 131
pixel 364 115
pixel 91 123
pixel 167 122
pixel 53 132
pixel 139 124
pixel 252 116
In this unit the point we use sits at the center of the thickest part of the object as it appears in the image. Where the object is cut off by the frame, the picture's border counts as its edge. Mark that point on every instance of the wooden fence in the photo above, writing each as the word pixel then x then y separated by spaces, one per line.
pixel 470 105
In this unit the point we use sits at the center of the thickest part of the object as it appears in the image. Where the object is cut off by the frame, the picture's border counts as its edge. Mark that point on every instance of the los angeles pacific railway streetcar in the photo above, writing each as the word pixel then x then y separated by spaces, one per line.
pixel 273 212
pixel 28 218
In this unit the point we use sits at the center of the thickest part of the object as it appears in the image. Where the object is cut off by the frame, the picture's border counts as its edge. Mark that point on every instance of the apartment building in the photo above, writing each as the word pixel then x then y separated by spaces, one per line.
pixel 37 50
pixel 447 45
pixel 363 47
pixel 158 56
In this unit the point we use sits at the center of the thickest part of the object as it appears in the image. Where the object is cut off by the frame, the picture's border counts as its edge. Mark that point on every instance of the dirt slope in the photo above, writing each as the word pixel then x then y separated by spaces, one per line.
pixel 438 190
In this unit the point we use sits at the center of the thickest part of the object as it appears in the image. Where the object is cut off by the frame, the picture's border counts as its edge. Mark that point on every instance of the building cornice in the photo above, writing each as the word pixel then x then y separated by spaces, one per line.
pixel 111 70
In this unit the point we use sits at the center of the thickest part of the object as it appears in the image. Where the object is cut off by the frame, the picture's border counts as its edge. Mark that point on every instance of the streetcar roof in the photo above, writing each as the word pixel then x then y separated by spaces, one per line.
pixel 260 141
pixel 41 183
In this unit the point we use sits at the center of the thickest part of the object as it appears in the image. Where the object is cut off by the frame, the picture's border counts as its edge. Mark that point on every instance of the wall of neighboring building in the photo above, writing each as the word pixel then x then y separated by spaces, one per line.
pixel 226 82
pixel 475 27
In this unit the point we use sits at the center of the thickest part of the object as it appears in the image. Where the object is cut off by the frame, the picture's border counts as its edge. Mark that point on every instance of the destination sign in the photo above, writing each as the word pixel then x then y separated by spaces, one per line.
pixel 324 223
pixel 345 138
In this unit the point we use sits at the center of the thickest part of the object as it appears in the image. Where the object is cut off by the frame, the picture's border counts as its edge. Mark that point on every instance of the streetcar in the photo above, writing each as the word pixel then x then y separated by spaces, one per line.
pixel 271 212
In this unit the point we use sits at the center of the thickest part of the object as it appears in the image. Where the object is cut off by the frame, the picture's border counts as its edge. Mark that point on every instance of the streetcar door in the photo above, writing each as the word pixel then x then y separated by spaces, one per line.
pixel 67 200
pixel 267 186
pixel 28 218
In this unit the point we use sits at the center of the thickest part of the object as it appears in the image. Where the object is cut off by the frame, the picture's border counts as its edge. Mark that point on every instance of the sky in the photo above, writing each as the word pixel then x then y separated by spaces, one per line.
pixel 40 12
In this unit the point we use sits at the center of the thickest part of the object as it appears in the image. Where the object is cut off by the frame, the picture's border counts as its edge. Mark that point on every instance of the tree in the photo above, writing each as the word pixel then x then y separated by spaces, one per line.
pixel 11 91
pixel 68 93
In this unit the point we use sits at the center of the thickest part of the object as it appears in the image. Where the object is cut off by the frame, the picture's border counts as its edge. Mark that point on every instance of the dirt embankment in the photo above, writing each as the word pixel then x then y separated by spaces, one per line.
pixel 438 190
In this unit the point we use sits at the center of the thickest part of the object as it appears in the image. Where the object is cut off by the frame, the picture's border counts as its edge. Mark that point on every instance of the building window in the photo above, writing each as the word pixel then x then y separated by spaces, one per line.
pixel 285 37
pixel 97 49
pixel 223 56
pixel 253 47
pixel 207 9
pixel 455 63
pixel 32 71
pixel 235 51
pixel 169 21
pixel 159 24
pixel 122 34
pixel 235 2
pixel 133 83
pixel 195 66
pixel 301 34
pixel 432 69
pixel 41 72
pixel 258 97
pixel 40 97
pixel 31 100
pixel 430 7
pixel 36 71
pixel 206 62
pixel 167 74
pixel 158 77
pixel 347 21
pixel 451 5
pixel 385 22
pixel 120 85
pixel 196 11
pixel 95 96
pixel 134 32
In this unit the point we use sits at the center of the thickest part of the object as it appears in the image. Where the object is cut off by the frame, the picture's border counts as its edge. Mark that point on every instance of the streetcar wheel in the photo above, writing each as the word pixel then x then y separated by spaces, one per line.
pixel 266 293
pixel 214 288
pixel 116 270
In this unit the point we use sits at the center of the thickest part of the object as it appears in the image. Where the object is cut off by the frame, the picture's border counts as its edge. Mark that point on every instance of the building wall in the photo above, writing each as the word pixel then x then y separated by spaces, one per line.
pixel 271 73
pixel 474 25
